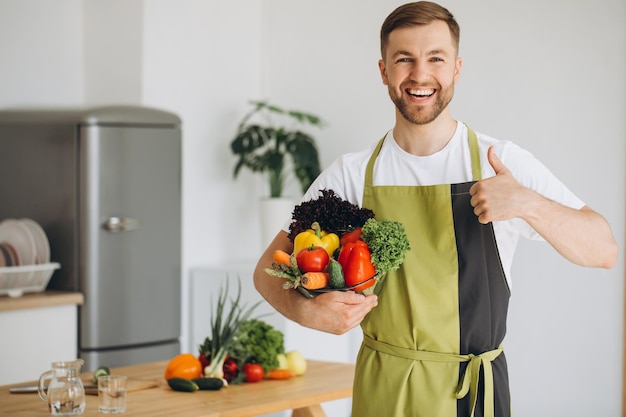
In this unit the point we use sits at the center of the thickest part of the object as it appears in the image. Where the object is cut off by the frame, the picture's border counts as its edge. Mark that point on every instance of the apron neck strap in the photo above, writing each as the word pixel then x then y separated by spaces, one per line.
pixel 474 155
pixel 369 170
pixel 477 173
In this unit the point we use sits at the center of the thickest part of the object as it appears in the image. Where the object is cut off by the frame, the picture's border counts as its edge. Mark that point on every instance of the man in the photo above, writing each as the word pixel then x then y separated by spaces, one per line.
pixel 464 199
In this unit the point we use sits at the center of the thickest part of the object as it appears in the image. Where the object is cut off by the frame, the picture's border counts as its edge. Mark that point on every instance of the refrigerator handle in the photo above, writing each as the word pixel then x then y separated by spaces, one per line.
pixel 121 224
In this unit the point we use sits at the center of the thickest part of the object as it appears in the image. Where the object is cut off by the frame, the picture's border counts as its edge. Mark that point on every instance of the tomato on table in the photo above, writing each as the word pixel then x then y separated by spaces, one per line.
pixel 254 372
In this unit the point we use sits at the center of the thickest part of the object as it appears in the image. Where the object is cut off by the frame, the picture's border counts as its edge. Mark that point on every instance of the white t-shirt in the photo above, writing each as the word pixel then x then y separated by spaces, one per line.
pixel 394 166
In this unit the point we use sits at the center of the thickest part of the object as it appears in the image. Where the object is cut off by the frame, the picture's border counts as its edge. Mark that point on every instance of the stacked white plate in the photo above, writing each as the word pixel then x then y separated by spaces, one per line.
pixel 24 257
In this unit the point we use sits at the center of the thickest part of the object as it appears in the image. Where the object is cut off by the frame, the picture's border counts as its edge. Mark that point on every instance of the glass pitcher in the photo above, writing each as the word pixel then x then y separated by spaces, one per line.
pixel 66 393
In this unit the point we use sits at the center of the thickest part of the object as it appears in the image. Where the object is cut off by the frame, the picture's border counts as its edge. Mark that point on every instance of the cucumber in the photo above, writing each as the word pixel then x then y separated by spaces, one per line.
pixel 211 384
pixel 336 274
pixel 101 371
pixel 182 384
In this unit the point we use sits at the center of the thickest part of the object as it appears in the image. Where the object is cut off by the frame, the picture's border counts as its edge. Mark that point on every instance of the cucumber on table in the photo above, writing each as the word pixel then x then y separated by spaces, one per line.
pixel 211 384
pixel 182 384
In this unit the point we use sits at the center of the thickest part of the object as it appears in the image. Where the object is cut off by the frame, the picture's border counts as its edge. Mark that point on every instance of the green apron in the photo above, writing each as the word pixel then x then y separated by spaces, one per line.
pixel 431 347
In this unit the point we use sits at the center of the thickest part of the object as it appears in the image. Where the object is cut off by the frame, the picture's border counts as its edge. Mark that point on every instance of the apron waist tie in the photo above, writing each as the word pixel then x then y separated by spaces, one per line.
pixel 469 379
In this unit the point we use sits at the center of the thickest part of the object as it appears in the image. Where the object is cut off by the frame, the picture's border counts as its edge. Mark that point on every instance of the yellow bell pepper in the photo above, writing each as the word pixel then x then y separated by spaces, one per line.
pixel 316 237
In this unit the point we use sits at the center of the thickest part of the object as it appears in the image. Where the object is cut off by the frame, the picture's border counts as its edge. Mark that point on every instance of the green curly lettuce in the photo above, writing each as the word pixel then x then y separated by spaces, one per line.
pixel 387 242
pixel 258 341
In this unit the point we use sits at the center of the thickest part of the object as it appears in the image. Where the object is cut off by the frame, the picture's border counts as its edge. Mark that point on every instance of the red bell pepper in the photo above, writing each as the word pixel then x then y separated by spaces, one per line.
pixel 356 260
pixel 352 236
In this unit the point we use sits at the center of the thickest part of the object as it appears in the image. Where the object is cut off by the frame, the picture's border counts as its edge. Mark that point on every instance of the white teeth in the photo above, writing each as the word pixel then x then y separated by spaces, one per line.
pixel 422 93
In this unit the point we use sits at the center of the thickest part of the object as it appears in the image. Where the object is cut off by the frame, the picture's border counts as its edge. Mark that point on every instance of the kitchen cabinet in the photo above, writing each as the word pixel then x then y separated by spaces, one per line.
pixel 37 329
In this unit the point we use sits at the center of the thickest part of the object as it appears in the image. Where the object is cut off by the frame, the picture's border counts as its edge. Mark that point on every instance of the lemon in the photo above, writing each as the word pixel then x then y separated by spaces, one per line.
pixel 296 362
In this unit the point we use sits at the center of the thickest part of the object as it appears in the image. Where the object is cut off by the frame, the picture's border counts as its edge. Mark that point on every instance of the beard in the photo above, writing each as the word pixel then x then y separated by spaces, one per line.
pixel 421 114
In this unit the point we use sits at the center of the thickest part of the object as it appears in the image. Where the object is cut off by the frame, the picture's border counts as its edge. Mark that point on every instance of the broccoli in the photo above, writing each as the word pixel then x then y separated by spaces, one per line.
pixel 259 341
pixel 387 242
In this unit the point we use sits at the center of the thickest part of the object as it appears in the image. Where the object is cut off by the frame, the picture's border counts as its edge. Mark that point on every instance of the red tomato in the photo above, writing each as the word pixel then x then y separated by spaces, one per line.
pixel 254 372
pixel 313 259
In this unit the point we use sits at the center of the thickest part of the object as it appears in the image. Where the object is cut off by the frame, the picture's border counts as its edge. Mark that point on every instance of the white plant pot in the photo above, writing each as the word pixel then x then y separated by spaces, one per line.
pixel 275 213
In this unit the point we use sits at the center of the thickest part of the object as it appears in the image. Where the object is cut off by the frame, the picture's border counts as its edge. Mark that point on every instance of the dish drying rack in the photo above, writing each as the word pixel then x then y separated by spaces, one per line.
pixel 17 280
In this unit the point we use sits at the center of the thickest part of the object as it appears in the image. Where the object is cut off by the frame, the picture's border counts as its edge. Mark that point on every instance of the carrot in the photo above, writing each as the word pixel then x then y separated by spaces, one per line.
pixel 315 280
pixel 282 257
pixel 280 374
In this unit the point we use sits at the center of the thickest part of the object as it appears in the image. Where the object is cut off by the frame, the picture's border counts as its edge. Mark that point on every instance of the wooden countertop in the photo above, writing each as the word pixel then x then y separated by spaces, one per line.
pixel 40 299
pixel 323 381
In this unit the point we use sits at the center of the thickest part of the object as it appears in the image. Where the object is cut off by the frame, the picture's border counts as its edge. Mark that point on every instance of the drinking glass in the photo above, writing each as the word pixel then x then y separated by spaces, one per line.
pixel 112 394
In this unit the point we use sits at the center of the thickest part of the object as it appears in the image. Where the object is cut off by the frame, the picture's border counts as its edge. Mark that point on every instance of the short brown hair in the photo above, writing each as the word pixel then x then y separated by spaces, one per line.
pixel 415 14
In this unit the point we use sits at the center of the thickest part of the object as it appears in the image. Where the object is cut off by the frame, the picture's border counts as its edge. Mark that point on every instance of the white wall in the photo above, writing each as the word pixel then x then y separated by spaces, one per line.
pixel 548 75
pixel 41 52
pixel 113 44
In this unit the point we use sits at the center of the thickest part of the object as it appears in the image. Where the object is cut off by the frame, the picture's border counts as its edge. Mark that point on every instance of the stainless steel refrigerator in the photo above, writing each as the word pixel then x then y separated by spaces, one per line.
pixel 105 185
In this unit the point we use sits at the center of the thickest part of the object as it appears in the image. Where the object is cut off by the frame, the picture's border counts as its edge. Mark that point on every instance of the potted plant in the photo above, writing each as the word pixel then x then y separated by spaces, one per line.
pixel 264 146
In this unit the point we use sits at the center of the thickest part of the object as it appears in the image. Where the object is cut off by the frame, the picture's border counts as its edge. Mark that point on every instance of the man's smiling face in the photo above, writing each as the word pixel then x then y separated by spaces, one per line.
pixel 420 68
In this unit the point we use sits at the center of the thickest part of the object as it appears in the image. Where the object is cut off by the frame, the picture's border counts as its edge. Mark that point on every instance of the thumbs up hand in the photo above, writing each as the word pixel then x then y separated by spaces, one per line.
pixel 499 197
pixel 581 235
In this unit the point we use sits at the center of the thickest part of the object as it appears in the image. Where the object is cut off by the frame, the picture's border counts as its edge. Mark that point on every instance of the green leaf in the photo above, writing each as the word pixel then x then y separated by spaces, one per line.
pixel 225 321
pixel 263 148
pixel 249 140
pixel 305 117
pixel 305 159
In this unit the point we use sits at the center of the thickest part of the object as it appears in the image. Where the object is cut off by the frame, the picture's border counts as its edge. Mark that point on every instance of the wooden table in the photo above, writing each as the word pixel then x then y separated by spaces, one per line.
pixel 323 381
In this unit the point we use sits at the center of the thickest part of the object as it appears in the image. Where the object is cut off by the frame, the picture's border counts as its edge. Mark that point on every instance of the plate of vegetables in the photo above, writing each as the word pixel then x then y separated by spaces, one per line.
pixel 338 246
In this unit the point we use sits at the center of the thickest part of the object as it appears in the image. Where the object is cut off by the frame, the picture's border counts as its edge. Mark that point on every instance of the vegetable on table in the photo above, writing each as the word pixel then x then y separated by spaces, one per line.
pixel 315 280
pixel 317 237
pixel 101 371
pixel 355 259
pixel 225 325
pixel 230 369
pixel 184 365
pixel 259 342
pixel 282 361
pixel 296 362
pixel 182 384
pixel 312 259
pixel 254 372
pixel 209 384
pixel 280 374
